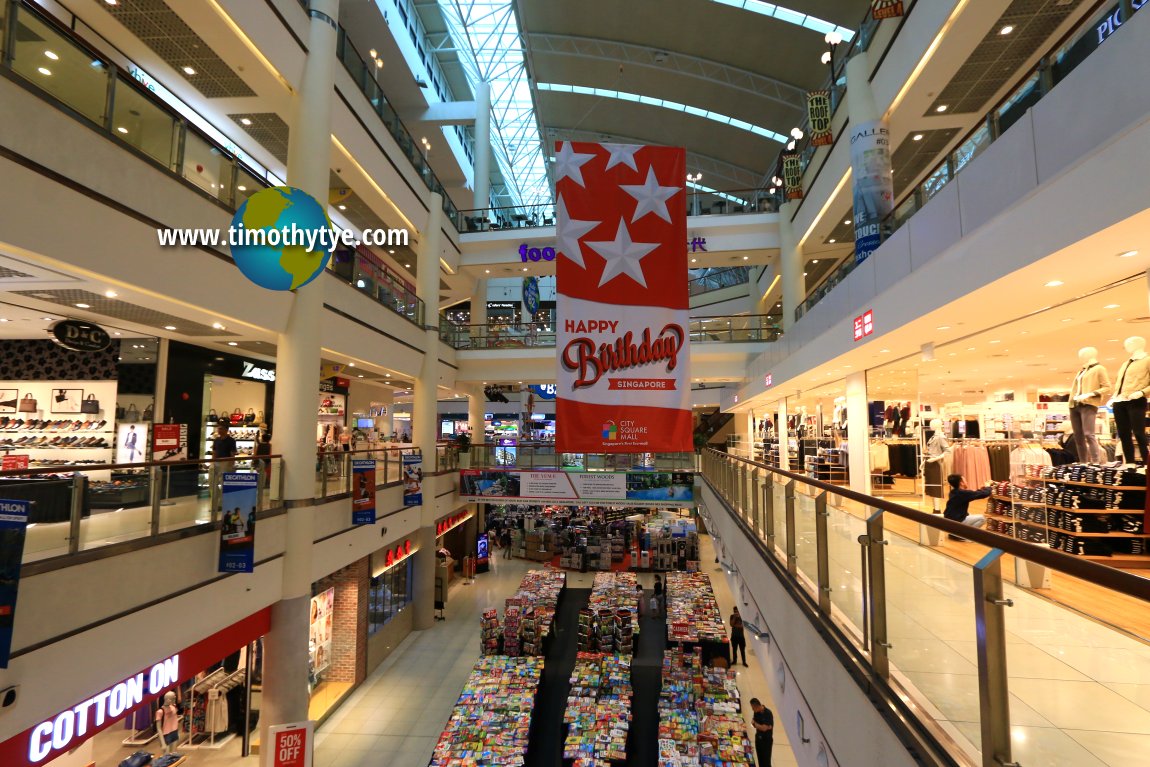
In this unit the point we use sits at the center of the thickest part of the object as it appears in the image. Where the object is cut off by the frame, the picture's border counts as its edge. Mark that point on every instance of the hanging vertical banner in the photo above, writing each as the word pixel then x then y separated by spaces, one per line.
pixel 412 479
pixel 530 297
pixel 793 176
pixel 885 9
pixel 363 491
pixel 13 526
pixel 238 523
pixel 819 115
pixel 873 184
pixel 621 277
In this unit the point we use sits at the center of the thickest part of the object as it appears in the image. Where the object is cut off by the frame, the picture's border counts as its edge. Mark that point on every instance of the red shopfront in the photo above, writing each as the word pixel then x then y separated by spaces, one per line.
pixel 72 726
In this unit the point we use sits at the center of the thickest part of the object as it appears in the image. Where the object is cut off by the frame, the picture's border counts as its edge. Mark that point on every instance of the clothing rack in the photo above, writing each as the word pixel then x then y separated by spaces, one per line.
pixel 217 697
pixel 196 724
pixel 142 736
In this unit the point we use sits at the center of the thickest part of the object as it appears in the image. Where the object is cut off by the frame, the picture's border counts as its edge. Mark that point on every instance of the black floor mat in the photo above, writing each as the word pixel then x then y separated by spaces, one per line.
pixel 647 681
pixel 547 731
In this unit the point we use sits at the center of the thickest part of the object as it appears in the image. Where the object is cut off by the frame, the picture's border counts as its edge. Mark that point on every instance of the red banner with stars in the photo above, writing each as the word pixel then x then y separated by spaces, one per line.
pixel 622 303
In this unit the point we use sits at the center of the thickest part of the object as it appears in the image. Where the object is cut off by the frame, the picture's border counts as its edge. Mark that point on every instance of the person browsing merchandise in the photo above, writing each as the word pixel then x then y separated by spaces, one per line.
pixel 764 723
pixel 738 637
pixel 958 503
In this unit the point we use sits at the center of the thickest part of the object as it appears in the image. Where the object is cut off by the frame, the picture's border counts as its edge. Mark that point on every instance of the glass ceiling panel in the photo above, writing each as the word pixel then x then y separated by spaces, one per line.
pixel 791 17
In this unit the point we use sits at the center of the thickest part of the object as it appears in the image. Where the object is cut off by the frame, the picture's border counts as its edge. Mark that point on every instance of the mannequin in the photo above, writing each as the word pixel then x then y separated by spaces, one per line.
pixel 1090 387
pixel 168 722
pixel 1129 400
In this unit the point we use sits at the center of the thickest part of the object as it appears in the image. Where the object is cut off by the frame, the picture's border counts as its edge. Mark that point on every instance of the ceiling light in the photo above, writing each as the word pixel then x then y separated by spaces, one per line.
pixel 218 326
pixel 815 261
pixel 110 294
pixel 408 266
pixel 1128 254
pixel 487 271
pixel 392 252
pixel 746 258
pixel 3 319
pixel 525 268
pixel 916 137
pixel 1110 306
pixel 245 121
pixel 83 306
pixel 1006 30
pixel 387 375
pixel 44 70
pixel 169 327
pixel 804 274
pixel 189 71
pixel 831 240
pixel 797 133
pixel 847 221
pixel 373 53
pixel 943 327
pixel 693 261
pixel 111 2
pixel 52 55
pixel 1054 284
pixel 1068 319
pixel 826 57
pixel 884 351
pixel 970 348
pixel 360 375
pixel 940 108
pixel 342 207
pixel 116 333
pixel 996 342
pixel 122 129
pixel 46 319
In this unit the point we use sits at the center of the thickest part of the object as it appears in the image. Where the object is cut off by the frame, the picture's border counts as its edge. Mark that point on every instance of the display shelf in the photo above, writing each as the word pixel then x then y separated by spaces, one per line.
pixel 1016 501
pixel 1087 484
pixel 1063 530
pixel 1122 561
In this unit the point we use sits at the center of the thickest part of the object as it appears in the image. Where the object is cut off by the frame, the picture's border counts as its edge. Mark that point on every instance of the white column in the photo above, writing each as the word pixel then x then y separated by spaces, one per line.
pixel 858 433
pixel 423 412
pixel 285 694
pixel 860 98
pixel 790 266
pixel 479 308
pixel 784 453
pixel 482 149
pixel 476 407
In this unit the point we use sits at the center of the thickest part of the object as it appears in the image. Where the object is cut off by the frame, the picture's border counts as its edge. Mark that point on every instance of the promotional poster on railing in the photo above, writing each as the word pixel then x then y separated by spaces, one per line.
pixel 13 526
pixel 621 488
pixel 238 523
pixel 412 479
pixel 621 282
pixel 363 491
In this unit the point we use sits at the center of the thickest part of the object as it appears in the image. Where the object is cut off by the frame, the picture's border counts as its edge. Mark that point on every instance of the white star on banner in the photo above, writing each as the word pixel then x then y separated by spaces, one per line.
pixel 568 163
pixel 651 197
pixel 622 154
pixel 568 232
pixel 623 256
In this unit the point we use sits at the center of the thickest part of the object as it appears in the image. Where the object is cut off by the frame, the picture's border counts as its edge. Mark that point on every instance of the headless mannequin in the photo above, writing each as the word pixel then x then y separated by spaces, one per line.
pixel 937 446
pixel 1090 386
pixel 1129 400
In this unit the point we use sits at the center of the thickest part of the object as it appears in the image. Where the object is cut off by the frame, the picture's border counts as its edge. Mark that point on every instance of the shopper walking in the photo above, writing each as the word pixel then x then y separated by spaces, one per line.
pixel 764 722
pixel 738 637
pixel 958 503
pixel 659 605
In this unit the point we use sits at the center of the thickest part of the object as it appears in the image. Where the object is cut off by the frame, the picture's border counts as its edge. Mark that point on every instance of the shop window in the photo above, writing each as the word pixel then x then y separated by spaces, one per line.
pixel 390 593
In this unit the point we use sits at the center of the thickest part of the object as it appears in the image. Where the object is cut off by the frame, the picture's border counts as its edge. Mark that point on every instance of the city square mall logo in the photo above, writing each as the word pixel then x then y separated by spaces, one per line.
pixel 610 430
pixel 281 238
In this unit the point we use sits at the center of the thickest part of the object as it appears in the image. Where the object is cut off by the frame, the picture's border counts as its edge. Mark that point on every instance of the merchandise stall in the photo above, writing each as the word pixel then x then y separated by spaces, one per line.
pixel 693 617
pixel 527 616
pixel 598 713
pixel 700 714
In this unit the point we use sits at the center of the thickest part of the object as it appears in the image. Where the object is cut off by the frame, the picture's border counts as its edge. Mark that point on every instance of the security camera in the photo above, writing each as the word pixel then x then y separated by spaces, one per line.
pixel 8 696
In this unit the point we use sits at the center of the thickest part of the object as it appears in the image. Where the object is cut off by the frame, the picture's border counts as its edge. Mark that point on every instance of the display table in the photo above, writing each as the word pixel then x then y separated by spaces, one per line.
pixel 700 720
pixel 693 617
pixel 598 713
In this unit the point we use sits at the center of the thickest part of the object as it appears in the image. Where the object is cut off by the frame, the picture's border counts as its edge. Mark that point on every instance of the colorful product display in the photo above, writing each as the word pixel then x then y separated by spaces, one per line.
pixel 527 616
pixel 700 720
pixel 598 714
pixel 491 722
pixel 692 612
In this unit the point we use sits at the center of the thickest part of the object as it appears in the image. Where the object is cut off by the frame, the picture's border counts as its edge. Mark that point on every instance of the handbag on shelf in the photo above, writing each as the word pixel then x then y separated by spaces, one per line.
pixel 120 411
pixel 90 405
pixel 147 413
pixel 213 417
pixel 236 418
pixel 250 416
pixel 260 420
pixel 131 415
pixel 28 404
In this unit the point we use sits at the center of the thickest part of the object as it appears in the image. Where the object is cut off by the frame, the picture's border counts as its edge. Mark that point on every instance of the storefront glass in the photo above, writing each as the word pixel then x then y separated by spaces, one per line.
pixel 390 592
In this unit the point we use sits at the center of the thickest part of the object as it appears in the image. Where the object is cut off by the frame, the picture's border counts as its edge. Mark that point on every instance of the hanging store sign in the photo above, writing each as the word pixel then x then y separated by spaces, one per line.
pixel 873 184
pixel 819 115
pixel 624 351
pixel 412 479
pixel 363 491
pixel 80 336
pixel 531 295
pixel 238 525
pixel 863 325
pixel 793 176
pixel 768 380
pixel 886 9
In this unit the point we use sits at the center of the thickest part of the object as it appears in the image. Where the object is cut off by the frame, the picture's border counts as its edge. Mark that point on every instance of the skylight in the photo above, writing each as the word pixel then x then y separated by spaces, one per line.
pixel 791 17
pixel 486 34
pixel 665 104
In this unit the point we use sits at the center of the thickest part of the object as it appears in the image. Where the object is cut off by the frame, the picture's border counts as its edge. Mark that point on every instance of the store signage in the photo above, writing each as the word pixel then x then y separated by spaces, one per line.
pixel 531 294
pixel 873 184
pixel 535 254
pixel 412 479
pixel 863 325
pixel 624 488
pixel 363 491
pixel 819 115
pixel 1112 20
pixel 57 733
pixel 623 348
pixel 170 442
pixel 793 176
pixel 292 744
pixel 80 336
pixel 698 244
pixel 397 555
pixel 238 526
pixel 13 462
pixel 886 9
pixel 768 379
pixel 252 370
pixel 334 385
pixel 447 524
pixel 13 527
pixel 76 724
pixel 542 391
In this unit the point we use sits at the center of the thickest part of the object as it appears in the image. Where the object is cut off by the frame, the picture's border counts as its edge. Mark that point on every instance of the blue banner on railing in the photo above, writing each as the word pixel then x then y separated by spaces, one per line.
pixel 238 523
pixel 412 480
pixel 363 491
pixel 13 526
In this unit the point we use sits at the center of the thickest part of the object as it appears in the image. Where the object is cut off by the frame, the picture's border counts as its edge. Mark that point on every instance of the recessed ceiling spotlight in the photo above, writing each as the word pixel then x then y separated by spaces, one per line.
pixel 996 342
pixel 487 271
pixel 525 268
pixel 169 327
pixel 847 221
pixel 746 258
pixel 940 108
pixel 1006 30
pixel 943 327
pixel 408 266
pixel 815 261
pixel 916 137
pixel 110 294
pixel 189 71
pixel 831 240
pixel 360 375
pixel 392 252
pixel 1068 319
pixel 44 70
pixel 46 319
pixel 342 207
pixel 1055 284
pixel 218 326
pixel 232 343
pixel 693 261
pixel 387 375
pixel 245 121
pixel 52 55
pixel 83 306
pixel 884 351
pixel 1110 306
pixel 122 129
pixel 1128 254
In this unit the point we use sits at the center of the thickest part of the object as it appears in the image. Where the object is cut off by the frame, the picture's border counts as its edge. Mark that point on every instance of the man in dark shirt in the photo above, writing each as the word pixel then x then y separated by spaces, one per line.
pixel 764 722
pixel 958 503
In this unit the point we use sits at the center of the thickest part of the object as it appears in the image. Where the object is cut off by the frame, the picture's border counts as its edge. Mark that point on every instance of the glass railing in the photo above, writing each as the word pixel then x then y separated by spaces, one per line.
pixel 717 279
pixel 1033 87
pixel 542 455
pixel 78 509
pixel 367 273
pixel 750 328
pixel 942 630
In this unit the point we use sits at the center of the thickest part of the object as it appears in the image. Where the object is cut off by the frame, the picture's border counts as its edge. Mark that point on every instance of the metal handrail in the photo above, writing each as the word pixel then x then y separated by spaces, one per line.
pixel 89 467
pixel 1108 577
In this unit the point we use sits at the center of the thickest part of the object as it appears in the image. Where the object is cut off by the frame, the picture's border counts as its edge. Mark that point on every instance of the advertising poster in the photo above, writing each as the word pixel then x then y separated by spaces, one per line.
pixel 873 184
pixel 238 523
pixel 292 744
pixel 886 9
pixel 621 280
pixel 363 491
pixel 531 296
pixel 132 442
pixel 623 488
pixel 819 115
pixel 169 442
pixel 13 462
pixel 320 630
pixel 13 525
pixel 482 553
pixel 793 176
pixel 412 480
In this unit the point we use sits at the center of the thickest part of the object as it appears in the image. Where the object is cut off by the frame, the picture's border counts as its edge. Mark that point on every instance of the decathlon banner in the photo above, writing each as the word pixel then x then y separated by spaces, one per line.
pixel 873 184
pixel 622 306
